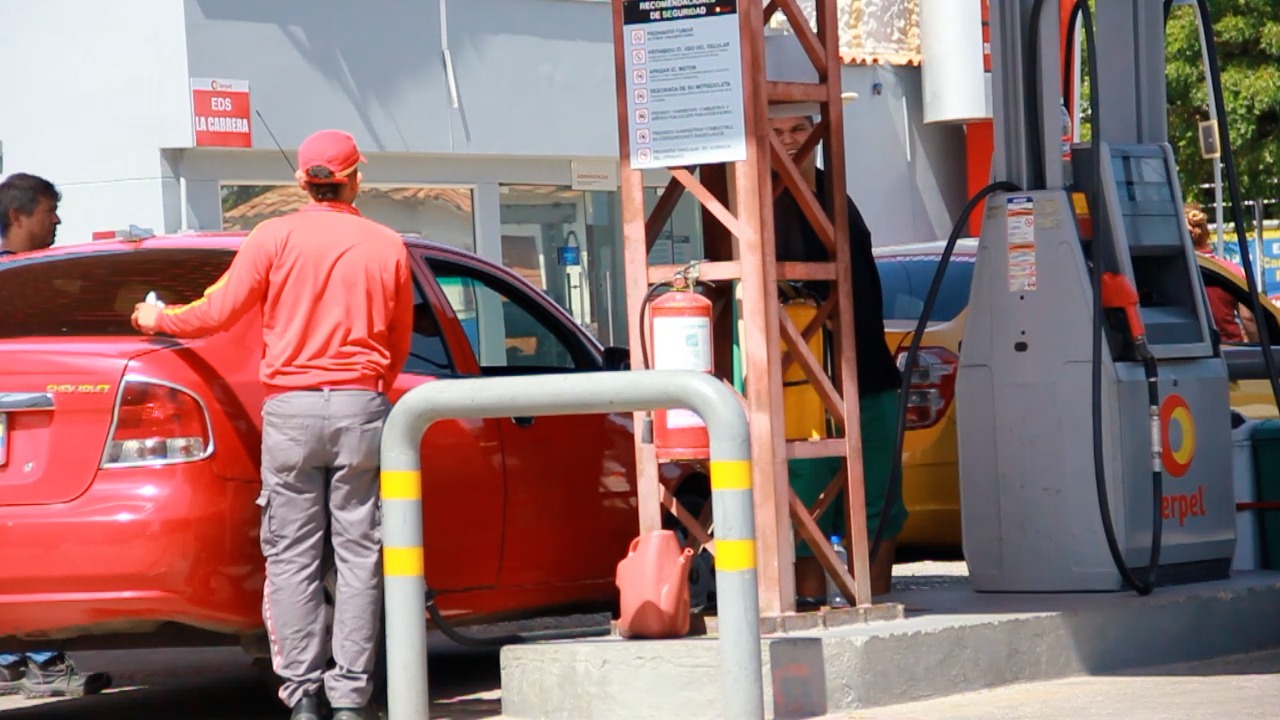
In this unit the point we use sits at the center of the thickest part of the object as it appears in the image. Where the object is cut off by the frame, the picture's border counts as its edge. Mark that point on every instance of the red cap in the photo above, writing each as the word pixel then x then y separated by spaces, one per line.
pixel 334 150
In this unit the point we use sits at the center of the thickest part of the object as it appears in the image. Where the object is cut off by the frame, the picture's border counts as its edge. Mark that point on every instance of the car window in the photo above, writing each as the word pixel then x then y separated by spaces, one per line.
pixel 1215 279
pixel 428 354
pixel 93 293
pixel 509 333
pixel 905 280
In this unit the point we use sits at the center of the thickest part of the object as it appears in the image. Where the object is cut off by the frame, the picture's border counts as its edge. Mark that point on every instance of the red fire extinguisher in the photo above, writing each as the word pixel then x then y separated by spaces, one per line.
pixel 680 328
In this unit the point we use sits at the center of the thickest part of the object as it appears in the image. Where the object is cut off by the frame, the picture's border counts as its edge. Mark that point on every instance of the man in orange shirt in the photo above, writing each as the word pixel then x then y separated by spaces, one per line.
pixel 336 296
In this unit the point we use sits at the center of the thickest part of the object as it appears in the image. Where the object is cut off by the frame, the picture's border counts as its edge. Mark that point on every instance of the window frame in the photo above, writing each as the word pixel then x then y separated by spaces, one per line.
pixel 433 306
pixel 1211 277
pixel 582 348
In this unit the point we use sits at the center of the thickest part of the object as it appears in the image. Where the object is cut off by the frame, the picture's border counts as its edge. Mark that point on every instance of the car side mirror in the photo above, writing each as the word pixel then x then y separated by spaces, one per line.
pixel 617 358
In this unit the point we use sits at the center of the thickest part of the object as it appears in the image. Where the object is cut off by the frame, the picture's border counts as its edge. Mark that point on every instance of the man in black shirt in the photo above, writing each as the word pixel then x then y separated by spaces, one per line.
pixel 878 377
pixel 28 221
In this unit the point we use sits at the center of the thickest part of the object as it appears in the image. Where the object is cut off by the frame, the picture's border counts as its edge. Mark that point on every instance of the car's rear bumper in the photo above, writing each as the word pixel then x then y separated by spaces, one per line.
pixel 931 487
pixel 140 548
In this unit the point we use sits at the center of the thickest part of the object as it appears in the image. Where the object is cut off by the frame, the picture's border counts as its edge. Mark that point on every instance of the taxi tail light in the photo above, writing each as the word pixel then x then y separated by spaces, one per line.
pixel 933 385
pixel 157 424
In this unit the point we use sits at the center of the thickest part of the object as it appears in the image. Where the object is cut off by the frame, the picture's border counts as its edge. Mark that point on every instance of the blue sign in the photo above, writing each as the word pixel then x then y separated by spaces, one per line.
pixel 569 255
pixel 1271 267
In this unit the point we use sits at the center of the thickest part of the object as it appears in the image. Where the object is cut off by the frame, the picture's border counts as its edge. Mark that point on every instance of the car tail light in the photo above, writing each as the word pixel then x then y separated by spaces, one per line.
pixel 933 385
pixel 155 424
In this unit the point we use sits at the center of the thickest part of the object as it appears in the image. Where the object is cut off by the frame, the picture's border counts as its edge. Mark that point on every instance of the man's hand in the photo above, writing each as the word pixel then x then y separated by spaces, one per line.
pixel 145 316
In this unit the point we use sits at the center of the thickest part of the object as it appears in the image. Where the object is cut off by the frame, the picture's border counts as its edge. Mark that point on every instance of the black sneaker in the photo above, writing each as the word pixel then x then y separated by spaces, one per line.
pixel 308 708
pixel 58 677
pixel 351 714
pixel 11 677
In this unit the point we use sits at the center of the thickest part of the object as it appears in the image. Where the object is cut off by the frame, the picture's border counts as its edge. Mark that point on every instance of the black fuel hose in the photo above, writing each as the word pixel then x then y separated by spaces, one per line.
pixel 894 491
pixel 1140 586
pixel 449 631
pixel 1237 205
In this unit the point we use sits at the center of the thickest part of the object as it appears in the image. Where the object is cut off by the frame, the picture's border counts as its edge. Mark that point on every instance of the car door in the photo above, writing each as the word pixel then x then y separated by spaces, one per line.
pixel 570 501
pixel 462 473
pixel 1253 398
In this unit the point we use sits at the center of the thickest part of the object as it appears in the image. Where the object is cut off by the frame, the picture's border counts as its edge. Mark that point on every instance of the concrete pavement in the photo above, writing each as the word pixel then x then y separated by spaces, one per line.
pixel 1243 687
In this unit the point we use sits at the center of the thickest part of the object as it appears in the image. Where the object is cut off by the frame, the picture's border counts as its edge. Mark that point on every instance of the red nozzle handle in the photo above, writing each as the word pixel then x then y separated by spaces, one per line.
pixel 1118 293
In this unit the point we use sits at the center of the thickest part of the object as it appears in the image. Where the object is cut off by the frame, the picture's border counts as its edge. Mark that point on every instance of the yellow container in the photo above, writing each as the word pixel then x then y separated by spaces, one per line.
pixel 805 415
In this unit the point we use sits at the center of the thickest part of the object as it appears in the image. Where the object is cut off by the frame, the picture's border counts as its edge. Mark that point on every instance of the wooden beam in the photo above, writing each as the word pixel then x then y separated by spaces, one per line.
pixel 806 271
pixel 662 212
pixel 690 523
pixel 635 257
pixel 804 195
pixel 829 493
pixel 712 271
pixel 709 201
pixel 814 325
pixel 796 92
pixel 760 342
pixel 834 171
pixel 826 447
pixel 804 33
pixel 821 547
pixel 813 369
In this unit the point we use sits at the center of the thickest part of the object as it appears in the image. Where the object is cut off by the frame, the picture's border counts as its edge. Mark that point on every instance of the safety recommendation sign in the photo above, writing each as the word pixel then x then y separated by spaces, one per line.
pixel 684 82
pixel 220 113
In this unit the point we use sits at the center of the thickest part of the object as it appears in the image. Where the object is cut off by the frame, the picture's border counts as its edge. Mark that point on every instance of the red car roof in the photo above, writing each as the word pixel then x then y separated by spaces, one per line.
pixel 196 239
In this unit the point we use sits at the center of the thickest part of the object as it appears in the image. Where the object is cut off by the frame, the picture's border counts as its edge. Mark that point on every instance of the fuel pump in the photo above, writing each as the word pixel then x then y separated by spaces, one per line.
pixel 1122 312
pixel 1112 295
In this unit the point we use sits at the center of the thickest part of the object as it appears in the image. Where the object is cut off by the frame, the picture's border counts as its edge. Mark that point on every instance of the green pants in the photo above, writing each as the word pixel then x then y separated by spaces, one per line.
pixel 809 477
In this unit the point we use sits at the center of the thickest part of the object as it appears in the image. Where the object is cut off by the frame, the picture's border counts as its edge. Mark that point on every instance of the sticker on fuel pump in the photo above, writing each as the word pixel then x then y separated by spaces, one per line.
pixel 1020 229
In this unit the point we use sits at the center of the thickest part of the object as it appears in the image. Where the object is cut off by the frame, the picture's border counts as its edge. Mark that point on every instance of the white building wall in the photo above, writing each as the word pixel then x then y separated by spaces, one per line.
pixel 105 87
pixel 92 91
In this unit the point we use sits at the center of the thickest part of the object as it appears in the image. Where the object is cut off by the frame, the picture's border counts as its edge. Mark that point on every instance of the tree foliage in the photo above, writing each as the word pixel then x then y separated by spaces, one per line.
pixel 1247 33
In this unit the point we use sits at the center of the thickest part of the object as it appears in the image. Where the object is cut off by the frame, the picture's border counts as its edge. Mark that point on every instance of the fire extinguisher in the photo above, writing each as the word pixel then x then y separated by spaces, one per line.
pixel 679 324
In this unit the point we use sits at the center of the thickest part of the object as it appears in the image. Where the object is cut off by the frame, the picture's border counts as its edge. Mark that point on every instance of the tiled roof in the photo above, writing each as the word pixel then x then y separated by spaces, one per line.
pixel 287 198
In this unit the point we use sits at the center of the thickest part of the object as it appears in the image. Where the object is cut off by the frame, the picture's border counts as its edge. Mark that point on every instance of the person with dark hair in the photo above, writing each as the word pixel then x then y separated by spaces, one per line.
pixel 28 221
pixel 28 213
pixel 1234 321
pixel 336 296
pixel 878 377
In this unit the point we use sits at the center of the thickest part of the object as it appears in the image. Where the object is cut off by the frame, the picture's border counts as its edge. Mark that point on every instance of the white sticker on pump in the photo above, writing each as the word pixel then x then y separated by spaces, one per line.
pixel 682 343
pixel 1020 229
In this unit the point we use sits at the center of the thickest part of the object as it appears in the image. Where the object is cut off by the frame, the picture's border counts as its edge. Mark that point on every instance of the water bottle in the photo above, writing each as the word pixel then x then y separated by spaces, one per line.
pixel 835 598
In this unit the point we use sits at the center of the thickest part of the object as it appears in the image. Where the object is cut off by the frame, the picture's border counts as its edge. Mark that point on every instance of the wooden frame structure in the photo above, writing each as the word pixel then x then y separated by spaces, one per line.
pixel 737 208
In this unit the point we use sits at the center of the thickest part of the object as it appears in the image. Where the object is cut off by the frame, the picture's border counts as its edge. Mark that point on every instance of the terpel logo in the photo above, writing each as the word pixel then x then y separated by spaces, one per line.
pixel 215 85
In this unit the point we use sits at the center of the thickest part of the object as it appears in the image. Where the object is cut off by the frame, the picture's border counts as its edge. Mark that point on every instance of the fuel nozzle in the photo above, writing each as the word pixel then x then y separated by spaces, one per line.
pixel 1118 293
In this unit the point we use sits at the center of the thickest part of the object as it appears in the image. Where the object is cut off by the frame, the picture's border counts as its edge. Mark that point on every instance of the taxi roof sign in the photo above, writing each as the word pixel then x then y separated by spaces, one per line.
pixel 132 234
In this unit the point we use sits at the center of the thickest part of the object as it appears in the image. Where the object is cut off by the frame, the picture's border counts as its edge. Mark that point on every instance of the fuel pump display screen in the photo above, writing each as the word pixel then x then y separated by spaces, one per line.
pixel 1145 192
pixel 1141 179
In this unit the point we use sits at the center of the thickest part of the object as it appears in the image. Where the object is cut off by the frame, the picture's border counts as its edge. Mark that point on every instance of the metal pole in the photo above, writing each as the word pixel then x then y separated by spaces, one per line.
pixel 572 394
pixel 1213 115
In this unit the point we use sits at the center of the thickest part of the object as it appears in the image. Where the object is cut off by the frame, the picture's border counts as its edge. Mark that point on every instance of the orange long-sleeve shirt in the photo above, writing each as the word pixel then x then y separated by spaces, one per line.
pixel 336 295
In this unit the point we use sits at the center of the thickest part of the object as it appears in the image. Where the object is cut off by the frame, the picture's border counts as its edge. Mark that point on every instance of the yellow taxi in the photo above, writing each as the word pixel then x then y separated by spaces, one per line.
pixel 930 465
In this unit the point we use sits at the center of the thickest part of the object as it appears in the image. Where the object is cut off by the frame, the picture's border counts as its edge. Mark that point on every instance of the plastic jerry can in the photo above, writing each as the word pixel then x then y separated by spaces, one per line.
pixel 653 587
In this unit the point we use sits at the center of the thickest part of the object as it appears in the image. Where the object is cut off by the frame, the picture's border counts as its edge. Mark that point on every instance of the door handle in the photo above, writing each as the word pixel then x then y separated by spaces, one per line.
pixel 523 421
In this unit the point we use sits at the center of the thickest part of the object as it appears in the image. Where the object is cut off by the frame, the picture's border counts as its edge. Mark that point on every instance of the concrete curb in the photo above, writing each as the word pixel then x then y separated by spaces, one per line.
pixel 955 641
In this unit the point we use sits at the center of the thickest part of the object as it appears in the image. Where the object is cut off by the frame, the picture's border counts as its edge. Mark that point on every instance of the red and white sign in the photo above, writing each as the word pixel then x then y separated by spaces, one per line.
pixel 220 113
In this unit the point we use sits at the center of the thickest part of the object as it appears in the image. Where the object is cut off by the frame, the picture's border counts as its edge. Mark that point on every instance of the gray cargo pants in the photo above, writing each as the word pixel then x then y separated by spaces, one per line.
pixel 320 455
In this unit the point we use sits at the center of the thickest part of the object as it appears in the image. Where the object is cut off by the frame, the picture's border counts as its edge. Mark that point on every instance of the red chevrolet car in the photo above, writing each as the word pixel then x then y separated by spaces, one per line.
pixel 129 464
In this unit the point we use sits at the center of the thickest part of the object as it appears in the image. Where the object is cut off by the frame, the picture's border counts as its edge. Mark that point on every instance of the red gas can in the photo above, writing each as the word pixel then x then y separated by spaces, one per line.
pixel 653 585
